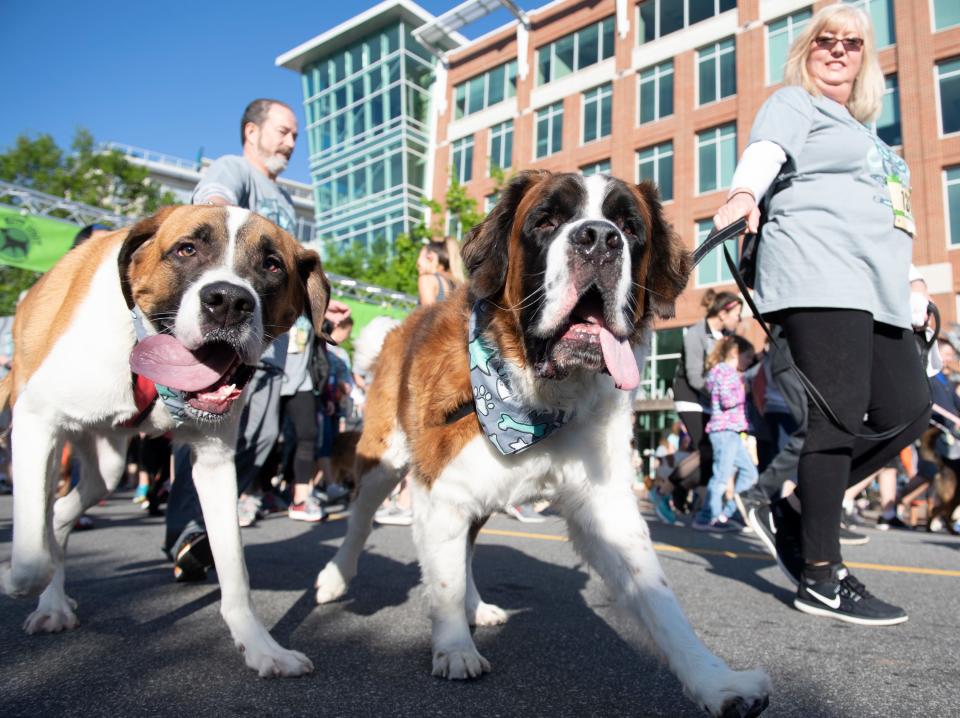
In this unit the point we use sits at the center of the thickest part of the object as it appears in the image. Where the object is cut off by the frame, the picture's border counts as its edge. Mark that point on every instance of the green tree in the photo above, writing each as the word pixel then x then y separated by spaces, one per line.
pixel 104 179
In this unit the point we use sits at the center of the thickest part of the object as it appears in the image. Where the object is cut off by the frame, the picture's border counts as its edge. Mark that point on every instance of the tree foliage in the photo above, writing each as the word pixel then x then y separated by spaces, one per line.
pixel 396 267
pixel 88 175
pixel 104 179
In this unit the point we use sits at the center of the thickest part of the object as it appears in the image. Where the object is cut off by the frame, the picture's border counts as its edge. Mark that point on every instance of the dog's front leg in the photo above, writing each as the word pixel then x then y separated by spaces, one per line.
pixel 607 529
pixel 440 532
pixel 215 477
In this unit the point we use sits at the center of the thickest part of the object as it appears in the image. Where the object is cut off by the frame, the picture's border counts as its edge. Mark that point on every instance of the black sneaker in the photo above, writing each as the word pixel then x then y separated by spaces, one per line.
pixel 851 538
pixel 788 539
pixel 894 523
pixel 844 598
pixel 192 558
pixel 760 520
pixel 747 500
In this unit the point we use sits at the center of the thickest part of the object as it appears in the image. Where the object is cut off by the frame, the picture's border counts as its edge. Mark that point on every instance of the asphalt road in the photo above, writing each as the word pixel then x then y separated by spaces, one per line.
pixel 147 646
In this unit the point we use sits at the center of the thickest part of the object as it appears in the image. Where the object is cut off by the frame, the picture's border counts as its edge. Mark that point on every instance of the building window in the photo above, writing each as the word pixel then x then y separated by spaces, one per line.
pixel 780 36
pixel 490 201
pixel 575 51
pixel 656 164
pixel 713 268
pixel 665 351
pixel 656 92
pixel 661 17
pixel 946 13
pixel 881 17
pixel 455 229
pixel 716 157
pixel 482 91
pixel 501 146
pixel 952 178
pixel 597 168
pixel 887 125
pixel 597 112
pixel 549 130
pixel 948 76
pixel 716 71
pixel 462 160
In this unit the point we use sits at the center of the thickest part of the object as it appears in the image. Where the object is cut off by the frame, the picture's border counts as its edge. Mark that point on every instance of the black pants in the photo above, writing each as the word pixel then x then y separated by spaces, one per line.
pixel 863 369
pixel 301 410
pixel 695 423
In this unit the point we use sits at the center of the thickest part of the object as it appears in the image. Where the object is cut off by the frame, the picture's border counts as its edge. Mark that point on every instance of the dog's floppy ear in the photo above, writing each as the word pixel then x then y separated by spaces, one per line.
pixel 484 250
pixel 670 263
pixel 139 234
pixel 316 290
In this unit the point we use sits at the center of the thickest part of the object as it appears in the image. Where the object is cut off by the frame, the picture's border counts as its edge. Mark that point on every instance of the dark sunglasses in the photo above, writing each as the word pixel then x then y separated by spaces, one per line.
pixel 828 42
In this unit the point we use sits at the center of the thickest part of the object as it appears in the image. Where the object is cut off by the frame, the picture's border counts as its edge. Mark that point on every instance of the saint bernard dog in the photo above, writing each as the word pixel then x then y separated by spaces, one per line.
pixel 522 385
pixel 205 290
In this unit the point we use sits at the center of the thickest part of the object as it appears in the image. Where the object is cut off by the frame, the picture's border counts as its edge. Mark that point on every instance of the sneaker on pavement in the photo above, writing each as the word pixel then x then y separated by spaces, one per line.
pixel 309 511
pixel 140 495
pixel 852 519
pixel 248 510
pixel 329 505
pixel 661 506
pixel 883 524
pixel 192 557
pixel 393 515
pixel 337 494
pixel 843 597
pixel 716 526
pixel 852 538
pixel 788 539
pixel 524 513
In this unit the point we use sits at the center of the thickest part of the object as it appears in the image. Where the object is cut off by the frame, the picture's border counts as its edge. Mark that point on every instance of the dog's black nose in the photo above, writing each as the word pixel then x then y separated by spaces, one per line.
pixel 227 304
pixel 597 239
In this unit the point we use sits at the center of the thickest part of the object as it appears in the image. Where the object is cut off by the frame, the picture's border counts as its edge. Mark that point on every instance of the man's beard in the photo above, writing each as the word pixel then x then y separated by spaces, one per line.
pixel 274 162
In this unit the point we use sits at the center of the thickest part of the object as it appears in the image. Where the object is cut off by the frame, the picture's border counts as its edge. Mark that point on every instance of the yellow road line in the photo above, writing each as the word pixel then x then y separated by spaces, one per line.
pixel 667 548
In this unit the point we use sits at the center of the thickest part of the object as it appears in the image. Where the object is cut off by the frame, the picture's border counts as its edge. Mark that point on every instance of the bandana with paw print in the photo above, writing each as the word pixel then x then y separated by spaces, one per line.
pixel 509 425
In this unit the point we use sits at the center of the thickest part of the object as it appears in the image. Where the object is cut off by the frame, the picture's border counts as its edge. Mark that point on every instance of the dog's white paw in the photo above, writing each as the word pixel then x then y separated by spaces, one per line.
pixel 330 584
pixel 24 583
pixel 459 663
pixel 486 614
pixel 736 694
pixel 274 661
pixel 52 616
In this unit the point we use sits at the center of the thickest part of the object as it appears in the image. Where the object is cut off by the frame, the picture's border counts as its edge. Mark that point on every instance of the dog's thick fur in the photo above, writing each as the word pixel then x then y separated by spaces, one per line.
pixel 71 380
pixel 555 249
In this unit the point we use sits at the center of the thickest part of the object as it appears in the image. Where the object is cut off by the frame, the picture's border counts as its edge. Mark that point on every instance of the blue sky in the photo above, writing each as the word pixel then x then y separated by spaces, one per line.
pixel 166 76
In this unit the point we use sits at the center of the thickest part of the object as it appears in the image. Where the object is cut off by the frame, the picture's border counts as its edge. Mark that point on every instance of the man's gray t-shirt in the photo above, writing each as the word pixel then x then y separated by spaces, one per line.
pixel 830 239
pixel 240 183
pixel 243 185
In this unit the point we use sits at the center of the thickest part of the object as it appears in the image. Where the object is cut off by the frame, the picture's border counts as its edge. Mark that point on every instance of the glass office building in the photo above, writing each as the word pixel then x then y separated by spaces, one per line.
pixel 366 87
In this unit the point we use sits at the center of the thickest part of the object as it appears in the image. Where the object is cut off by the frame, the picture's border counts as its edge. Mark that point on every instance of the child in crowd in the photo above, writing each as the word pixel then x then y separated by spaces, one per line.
pixel 724 383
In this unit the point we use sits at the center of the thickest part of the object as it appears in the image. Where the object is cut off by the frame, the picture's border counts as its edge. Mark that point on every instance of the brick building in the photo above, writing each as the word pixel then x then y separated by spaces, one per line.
pixel 667 89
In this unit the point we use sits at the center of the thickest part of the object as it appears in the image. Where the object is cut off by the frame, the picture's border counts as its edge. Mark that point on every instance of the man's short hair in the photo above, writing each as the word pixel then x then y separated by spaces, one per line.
pixel 256 113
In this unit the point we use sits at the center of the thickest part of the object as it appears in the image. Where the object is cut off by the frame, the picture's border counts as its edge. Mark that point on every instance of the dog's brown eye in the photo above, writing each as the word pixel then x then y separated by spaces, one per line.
pixel 186 250
pixel 272 264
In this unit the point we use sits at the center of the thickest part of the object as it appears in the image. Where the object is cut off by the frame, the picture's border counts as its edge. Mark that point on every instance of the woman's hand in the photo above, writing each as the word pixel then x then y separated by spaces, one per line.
pixel 741 204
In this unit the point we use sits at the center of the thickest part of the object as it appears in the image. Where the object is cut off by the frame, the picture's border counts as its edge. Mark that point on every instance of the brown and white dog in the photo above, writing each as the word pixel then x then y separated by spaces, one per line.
pixel 214 286
pixel 573 269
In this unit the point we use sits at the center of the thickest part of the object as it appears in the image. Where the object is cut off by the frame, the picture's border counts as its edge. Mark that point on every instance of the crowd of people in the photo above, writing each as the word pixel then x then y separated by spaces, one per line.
pixel 750 451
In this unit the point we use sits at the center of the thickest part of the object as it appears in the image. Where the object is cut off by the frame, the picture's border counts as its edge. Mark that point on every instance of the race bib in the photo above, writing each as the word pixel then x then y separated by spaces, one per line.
pixel 900 201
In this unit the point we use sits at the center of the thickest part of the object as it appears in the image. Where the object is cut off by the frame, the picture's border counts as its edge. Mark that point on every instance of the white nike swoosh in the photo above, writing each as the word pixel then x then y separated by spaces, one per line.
pixel 831 602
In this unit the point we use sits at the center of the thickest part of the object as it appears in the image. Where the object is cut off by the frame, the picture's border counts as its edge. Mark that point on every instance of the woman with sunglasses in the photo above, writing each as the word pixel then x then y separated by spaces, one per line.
pixel 832 271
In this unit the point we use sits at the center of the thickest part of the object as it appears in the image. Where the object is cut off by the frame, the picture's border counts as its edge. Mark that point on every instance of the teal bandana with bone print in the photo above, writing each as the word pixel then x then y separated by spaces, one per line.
pixel 509 425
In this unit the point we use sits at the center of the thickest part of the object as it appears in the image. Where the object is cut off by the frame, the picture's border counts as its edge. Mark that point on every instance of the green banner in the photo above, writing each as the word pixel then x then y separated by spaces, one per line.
pixel 34 243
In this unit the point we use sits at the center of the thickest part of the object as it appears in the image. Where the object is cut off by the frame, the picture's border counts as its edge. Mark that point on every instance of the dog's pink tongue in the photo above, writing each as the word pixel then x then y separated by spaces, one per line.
pixel 621 363
pixel 617 355
pixel 164 360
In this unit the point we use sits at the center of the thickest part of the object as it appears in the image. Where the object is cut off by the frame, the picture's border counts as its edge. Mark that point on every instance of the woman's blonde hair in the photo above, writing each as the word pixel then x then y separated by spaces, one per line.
pixel 866 98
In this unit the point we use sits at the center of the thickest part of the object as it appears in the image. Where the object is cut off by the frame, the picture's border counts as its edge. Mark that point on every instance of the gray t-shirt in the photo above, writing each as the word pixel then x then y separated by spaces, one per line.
pixel 830 239
pixel 296 376
pixel 240 183
pixel 243 185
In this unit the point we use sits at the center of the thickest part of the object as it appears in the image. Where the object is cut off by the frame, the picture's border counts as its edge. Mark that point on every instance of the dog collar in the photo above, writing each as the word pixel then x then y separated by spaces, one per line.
pixel 172 399
pixel 510 426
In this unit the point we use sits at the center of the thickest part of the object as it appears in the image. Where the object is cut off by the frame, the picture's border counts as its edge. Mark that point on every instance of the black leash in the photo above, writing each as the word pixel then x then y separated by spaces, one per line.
pixel 717 238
